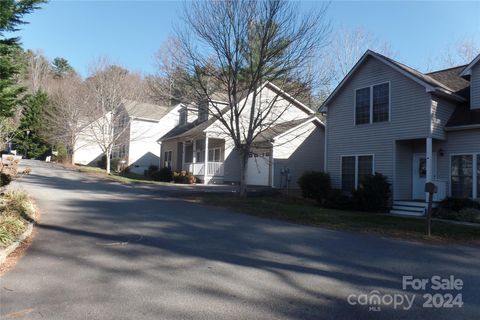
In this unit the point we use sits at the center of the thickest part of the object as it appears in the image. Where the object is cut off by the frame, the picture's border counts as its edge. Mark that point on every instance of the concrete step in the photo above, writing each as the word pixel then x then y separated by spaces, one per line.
pixel 408 208
pixel 407 213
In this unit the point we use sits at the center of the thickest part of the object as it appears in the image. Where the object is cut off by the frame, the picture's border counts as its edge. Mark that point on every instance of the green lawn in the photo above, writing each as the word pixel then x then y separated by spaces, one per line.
pixel 300 211
pixel 124 177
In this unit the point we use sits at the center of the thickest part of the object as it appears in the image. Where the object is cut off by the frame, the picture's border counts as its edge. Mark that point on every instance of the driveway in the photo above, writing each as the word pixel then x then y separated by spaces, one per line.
pixel 110 251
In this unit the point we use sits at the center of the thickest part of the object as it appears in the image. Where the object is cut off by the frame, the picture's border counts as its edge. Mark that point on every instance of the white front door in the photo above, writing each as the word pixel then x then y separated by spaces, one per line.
pixel 258 168
pixel 419 174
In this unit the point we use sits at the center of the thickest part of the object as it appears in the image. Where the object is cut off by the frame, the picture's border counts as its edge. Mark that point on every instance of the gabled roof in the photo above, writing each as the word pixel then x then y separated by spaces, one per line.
pixel 430 83
pixel 451 78
pixel 280 129
pixel 195 129
pixel 468 69
pixel 146 111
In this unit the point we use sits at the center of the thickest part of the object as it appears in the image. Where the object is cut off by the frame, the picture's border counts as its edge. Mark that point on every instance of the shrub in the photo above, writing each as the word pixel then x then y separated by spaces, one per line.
pixel 337 199
pixel 315 185
pixel 184 177
pixel 164 175
pixel 16 210
pixel 115 164
pixel 373 194
pixel 62 154
pixel 5 179
pixel 457 204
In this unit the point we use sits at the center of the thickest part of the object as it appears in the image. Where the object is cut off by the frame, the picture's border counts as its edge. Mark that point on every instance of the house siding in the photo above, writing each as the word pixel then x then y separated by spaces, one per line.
pixel 410 118
pixel 475 87
pixel 442 109
pixel 458 142
pixel 300 151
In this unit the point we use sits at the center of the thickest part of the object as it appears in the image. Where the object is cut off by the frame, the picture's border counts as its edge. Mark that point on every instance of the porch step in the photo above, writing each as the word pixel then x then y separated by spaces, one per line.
pixel 409 208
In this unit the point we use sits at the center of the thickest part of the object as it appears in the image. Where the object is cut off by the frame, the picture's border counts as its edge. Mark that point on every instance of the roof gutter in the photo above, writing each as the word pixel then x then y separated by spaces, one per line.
pixel 465 127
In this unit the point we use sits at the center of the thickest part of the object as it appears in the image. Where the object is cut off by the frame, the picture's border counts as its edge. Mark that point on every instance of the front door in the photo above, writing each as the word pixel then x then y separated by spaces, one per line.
pixel 419 174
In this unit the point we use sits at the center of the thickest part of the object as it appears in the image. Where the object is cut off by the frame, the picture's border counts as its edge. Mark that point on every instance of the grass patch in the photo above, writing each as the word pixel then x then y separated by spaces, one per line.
pixel 123 177
pixel 301 211
pixel 16 211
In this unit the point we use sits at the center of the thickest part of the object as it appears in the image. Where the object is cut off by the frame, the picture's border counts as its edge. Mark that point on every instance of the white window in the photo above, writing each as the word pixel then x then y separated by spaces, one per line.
pixel 465 176
pixel 372 104
pixel 214 155
pixel 167 160
pixel 354 169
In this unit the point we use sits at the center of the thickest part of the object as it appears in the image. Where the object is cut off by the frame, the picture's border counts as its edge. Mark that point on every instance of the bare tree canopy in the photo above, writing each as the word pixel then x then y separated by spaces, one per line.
pixel 232 48
pixel 109 87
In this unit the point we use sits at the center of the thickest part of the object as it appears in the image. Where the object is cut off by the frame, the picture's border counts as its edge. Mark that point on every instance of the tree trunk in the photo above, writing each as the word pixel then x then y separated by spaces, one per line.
pixel 243 173
pixel 107 161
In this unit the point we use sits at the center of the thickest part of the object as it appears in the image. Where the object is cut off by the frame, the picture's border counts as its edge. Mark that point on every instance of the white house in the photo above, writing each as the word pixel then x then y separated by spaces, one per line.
pixel 291 145
pixel 142 125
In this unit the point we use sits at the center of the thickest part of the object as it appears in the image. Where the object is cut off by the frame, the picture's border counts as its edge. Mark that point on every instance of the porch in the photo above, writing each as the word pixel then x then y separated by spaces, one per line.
pixel 204 158
pixel 418 161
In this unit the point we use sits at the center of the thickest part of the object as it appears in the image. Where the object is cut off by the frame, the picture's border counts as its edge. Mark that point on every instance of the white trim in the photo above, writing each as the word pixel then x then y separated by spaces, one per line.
pixel 171 158
pixel 315 118
pixel 475 157
pixel 468 69
pixel 371 103
pixel 356 166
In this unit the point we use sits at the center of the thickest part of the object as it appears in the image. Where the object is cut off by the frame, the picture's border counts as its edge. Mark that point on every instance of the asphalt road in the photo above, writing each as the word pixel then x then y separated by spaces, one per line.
pixel 110 251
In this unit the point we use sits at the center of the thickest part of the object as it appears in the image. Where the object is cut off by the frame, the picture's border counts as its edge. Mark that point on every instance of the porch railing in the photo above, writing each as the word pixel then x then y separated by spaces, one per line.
pixel 198 168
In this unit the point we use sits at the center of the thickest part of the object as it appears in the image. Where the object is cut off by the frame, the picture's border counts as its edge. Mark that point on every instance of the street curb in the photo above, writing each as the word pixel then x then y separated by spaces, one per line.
pixel 4 253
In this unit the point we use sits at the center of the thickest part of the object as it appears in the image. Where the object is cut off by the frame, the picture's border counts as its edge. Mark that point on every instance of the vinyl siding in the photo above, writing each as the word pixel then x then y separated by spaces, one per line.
pixel 475 87
pixel 465 141
pixel 301 151
pixel 409 119
pixel 441 111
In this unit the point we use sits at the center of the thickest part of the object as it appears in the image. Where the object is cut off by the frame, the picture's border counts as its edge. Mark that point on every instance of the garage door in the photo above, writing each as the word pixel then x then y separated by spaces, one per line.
pixel 258 169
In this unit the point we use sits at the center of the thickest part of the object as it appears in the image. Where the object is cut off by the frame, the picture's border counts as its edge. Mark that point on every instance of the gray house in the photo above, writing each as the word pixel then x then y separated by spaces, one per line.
pixel 412 127
pixel 291 145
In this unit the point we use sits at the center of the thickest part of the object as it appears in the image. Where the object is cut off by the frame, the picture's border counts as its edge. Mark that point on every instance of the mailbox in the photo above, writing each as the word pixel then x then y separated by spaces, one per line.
pixel 430 187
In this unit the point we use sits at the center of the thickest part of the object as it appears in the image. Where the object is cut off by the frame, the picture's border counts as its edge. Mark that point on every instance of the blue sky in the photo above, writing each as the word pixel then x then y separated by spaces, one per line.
pixel 131 31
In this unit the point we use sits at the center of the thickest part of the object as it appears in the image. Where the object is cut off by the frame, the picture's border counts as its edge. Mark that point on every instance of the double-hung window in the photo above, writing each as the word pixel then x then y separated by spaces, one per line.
pixel 168 159
pixel 372 104
pixel 465 176
pixel 214 155
pixel 354 169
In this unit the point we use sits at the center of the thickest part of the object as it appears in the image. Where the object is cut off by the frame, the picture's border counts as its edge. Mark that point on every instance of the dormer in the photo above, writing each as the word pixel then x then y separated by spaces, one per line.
pixel 183 116
pixel 472 73
pixel 203 111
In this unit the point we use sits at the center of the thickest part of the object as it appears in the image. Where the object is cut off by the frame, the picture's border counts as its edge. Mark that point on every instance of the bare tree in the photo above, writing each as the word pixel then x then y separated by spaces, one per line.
pixel 38 70
pixel 233 48
pixel 461 52
pixel 109 88
pixel 345 49
pixel 64 119
pixel 167 85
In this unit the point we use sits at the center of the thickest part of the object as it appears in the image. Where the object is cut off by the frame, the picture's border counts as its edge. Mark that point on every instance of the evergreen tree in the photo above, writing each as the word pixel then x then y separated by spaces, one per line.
pixel 11 14
pixel 61 67
pixel 29 139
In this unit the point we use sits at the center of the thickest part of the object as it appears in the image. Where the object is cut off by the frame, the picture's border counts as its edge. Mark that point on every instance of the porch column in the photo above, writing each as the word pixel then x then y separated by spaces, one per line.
pixel 429 160
pixel 205 168
pixel 183 156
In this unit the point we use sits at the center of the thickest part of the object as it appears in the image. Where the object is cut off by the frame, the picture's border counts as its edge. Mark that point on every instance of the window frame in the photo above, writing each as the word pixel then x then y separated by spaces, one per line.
pixel 371 103
pixel 184 112
pixel 213 154
pixel 356 166
pixel 475 175
pixel 165 159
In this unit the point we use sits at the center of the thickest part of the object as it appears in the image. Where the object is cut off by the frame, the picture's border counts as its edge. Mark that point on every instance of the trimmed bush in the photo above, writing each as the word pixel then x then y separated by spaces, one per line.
pixel 164 175
pixel 315 185
pixel 457 204
pixel 115 164
pixel 373 194
pixel 337 199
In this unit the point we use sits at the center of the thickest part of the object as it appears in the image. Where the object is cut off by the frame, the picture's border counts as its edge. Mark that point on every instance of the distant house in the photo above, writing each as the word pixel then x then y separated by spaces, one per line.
pixel 279 155
pixel 412 127
pixel 142 124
